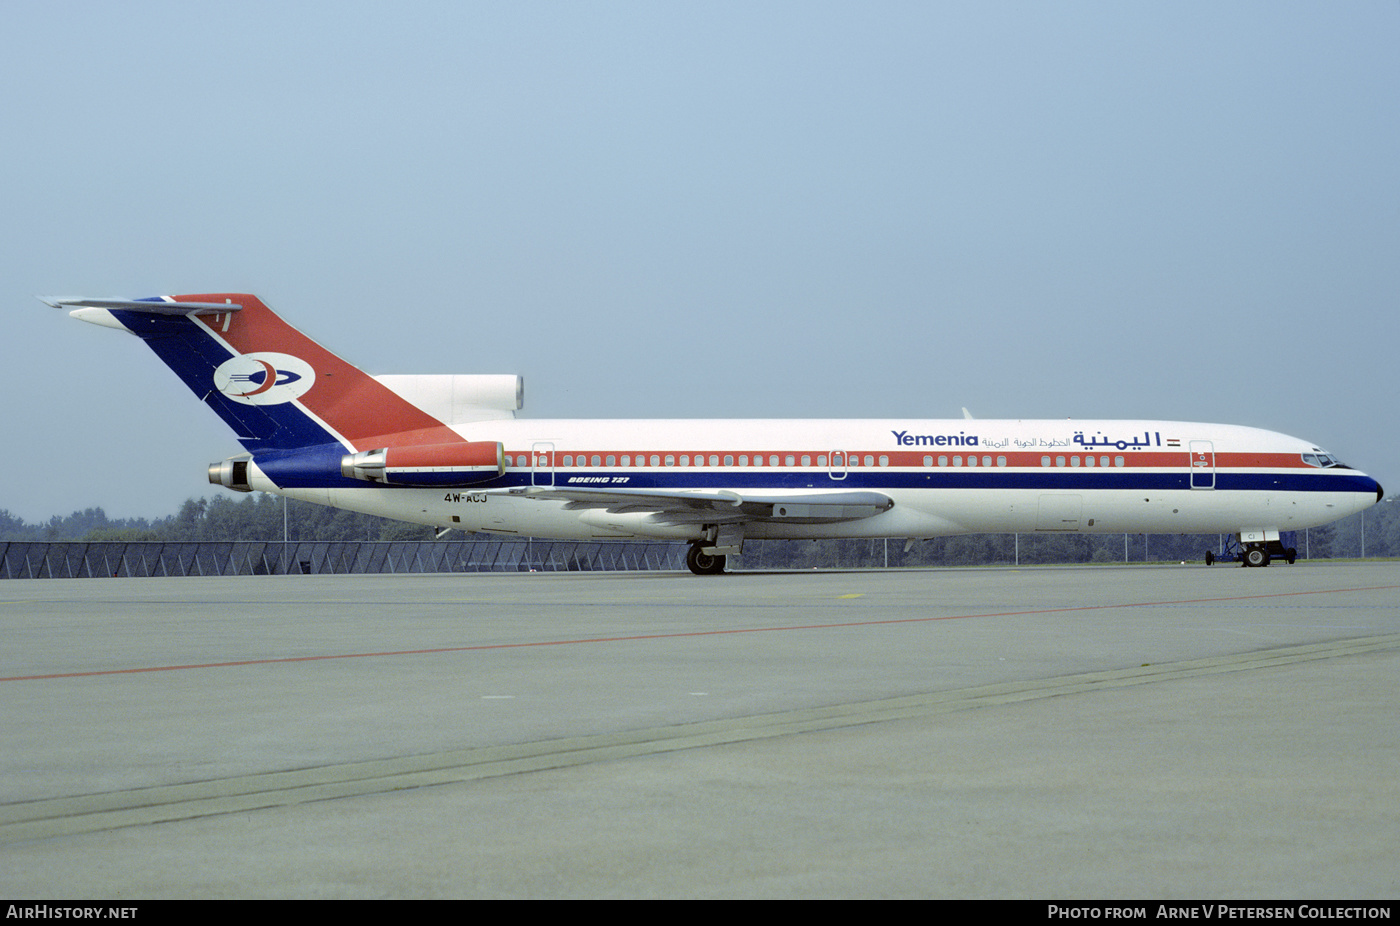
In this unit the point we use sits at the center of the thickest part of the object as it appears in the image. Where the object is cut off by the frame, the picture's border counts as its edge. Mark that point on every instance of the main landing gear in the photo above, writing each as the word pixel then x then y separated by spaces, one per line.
pixel 708 555
pixel 702 563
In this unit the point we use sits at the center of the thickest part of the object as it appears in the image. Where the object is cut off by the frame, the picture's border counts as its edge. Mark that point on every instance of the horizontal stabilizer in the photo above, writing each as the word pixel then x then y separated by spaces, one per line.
pixel 153 308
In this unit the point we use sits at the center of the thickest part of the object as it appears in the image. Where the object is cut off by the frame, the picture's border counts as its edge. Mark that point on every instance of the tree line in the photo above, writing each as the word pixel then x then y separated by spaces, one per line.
pixel 254 516
pixel 263 517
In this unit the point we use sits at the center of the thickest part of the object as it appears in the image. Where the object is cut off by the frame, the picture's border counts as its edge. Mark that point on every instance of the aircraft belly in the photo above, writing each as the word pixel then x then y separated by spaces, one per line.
pixel 1298 510
pixel 412 505
pixel 905 519
pixel 1184 511
pixel 916 513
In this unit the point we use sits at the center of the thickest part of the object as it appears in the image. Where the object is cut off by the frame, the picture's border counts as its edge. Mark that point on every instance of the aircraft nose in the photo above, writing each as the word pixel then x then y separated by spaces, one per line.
pixel 1380 493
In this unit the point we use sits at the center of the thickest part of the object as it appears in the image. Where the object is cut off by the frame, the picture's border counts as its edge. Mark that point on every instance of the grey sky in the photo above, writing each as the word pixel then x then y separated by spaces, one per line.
pixel 1167 210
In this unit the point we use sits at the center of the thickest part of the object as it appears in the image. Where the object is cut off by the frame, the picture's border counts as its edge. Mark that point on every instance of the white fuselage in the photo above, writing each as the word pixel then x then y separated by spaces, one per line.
pixel 944 477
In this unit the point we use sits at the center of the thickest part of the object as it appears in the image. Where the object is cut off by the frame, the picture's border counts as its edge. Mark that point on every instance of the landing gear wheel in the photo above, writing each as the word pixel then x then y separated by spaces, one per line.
pixel 702 563
pixel 1256 556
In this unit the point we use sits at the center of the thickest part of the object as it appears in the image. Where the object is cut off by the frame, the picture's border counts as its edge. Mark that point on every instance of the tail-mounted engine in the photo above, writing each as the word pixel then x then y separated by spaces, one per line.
pixel 231 474
pixel 428 466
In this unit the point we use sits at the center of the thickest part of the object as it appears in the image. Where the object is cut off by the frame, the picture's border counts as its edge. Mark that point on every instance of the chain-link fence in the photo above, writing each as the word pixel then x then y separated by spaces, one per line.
pixel 47 560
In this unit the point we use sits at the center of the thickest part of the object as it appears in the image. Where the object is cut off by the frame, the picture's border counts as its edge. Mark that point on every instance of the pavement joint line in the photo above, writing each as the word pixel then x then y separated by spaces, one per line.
pixel 64 816
pixel 718 632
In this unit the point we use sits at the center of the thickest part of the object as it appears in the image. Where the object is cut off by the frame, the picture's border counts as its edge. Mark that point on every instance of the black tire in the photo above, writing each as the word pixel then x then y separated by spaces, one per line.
pixel 702 563
pixel 1292 555
pixel 1256 556
pixel 1210 558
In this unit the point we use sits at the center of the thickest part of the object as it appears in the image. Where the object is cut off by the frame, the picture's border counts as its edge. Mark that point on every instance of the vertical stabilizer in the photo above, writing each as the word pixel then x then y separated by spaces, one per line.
pixel 275 387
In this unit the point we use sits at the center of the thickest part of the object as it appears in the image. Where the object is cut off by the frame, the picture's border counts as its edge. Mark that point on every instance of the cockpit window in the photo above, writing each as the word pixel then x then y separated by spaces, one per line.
pixel 1320 459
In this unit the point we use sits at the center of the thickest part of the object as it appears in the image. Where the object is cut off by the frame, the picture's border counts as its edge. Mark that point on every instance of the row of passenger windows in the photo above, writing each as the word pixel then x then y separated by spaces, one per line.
pixel 1088 461
pixel 627 460
pixel 685 459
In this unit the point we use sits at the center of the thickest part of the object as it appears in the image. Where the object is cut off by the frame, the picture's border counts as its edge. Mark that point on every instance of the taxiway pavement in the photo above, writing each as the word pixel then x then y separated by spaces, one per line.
pixel 1090 732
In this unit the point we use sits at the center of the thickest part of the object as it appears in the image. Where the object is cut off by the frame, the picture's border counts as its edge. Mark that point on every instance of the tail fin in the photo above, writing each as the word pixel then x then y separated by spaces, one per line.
pixel 275 387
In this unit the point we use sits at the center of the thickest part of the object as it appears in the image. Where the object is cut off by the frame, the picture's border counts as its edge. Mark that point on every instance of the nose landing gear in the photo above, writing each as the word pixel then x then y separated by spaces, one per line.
pixel 1253 553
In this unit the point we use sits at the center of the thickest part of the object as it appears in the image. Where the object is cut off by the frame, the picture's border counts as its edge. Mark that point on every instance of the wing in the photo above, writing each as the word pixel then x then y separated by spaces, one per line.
pixel 720 506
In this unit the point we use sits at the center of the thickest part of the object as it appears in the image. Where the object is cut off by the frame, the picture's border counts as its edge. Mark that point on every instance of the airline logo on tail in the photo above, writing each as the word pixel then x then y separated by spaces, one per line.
pixel 264 378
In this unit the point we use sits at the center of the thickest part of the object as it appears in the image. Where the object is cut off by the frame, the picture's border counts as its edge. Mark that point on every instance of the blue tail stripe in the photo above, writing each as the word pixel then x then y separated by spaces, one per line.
pixel 188 349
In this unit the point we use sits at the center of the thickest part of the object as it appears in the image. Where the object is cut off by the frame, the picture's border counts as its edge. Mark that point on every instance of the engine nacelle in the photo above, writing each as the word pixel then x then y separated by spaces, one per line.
pixel 454 399
pixel 231 474
pixel 429 465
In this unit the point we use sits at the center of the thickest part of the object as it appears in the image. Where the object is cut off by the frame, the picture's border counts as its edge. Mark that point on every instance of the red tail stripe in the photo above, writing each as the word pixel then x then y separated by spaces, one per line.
pixel 344 397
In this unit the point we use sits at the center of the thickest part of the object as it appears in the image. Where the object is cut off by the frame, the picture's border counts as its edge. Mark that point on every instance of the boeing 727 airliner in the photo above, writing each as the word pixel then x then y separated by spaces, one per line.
pixel 448 451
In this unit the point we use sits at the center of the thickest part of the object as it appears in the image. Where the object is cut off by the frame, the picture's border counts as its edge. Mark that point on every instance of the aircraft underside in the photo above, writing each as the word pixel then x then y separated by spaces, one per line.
pixel 914 514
